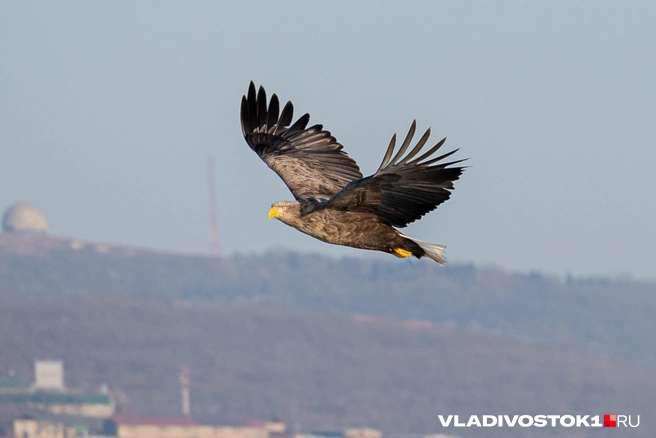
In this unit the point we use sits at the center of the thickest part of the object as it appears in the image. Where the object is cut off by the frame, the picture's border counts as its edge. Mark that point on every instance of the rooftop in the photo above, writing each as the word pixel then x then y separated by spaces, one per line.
pixel 153 421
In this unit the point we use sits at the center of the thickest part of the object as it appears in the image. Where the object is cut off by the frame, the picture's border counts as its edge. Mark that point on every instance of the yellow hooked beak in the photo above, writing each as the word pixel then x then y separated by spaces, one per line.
pixel 274 212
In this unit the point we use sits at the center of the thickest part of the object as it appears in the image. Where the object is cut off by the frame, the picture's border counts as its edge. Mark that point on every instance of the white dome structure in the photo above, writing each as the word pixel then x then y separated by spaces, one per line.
pixel 24 217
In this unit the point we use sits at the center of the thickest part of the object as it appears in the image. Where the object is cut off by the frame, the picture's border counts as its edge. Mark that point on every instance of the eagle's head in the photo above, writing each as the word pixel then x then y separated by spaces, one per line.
pixel 285 210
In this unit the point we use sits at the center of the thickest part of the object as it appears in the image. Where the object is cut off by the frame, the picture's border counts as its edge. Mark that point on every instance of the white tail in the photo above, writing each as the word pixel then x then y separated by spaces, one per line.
pixel 433 251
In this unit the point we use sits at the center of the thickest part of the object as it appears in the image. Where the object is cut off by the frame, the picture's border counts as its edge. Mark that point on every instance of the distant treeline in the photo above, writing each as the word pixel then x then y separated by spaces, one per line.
pixel 326 343
pixel 313 370
pixel 611 317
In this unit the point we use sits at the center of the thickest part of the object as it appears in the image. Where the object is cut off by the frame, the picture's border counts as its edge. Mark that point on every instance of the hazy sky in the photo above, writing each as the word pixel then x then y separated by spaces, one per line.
pixel 109 110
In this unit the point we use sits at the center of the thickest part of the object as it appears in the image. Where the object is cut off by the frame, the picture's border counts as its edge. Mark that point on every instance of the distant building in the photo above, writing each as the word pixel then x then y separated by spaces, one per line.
pixel 87 405
pixel 28 428
pixel 49 375
pixel 56 428
pixel 277 427
pixel 127 427
pixel 12 383
pixel 362 432
pixel 24 217
pixel 48 394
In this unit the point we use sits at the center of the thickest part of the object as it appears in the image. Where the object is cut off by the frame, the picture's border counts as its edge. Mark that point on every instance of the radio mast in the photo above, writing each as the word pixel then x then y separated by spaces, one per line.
pixel 215 246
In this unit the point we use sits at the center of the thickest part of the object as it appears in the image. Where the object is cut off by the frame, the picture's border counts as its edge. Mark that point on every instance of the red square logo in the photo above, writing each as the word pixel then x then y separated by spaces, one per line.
pixel 610 420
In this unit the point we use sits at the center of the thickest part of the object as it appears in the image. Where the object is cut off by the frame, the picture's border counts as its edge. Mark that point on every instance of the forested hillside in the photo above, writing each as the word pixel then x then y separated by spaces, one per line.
pixel 311 369
pixel 607 317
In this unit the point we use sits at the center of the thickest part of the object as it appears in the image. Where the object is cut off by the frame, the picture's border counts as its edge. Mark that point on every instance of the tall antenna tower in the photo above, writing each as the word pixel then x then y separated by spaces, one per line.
pixel 215 246
pixel 184 387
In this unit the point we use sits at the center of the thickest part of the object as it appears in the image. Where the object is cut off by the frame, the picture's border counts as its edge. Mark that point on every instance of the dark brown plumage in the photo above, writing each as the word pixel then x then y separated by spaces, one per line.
pixel 334 203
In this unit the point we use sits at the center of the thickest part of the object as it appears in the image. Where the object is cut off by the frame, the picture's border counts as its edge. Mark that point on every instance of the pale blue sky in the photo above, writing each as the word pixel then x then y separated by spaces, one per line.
pixel 109 110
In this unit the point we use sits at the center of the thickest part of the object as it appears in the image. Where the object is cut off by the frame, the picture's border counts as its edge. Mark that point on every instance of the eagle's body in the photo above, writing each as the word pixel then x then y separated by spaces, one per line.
pixel 334 203
pixel 356 229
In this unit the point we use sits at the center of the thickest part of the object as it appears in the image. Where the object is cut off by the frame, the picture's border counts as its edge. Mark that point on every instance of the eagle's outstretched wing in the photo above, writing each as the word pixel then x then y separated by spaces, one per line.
pixel 309 160
pixel 404 188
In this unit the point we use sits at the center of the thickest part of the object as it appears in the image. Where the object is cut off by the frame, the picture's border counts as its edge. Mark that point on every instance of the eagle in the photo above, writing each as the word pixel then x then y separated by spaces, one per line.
pixel 333 202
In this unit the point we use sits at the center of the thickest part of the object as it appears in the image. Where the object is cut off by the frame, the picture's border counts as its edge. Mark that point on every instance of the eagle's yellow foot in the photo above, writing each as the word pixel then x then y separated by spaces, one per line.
pixel 401 253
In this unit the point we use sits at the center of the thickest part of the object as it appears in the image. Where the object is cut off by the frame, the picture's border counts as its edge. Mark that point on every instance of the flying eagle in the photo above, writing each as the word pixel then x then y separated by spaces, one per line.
pixel 333 202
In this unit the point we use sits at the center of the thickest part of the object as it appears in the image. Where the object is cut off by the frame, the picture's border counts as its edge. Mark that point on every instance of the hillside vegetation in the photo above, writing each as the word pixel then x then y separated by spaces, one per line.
pixel 614 318
pixel 318 370
pixel 327 343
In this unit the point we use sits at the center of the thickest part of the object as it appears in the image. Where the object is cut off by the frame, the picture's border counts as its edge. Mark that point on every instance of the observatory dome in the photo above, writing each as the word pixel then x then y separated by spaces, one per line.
pixel 23 217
